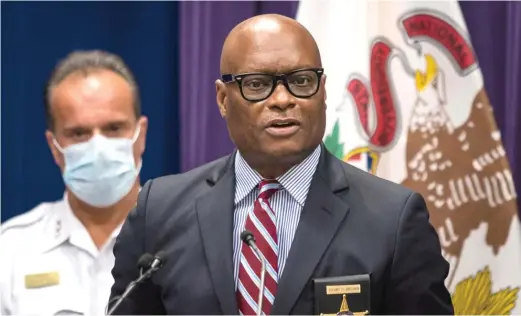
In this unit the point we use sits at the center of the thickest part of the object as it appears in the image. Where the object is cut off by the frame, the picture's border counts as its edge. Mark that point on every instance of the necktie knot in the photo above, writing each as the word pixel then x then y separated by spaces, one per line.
pixel 267 188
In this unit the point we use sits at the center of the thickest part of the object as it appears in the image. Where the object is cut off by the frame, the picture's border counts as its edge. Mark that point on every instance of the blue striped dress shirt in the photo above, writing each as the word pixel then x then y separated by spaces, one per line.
pixel 287 203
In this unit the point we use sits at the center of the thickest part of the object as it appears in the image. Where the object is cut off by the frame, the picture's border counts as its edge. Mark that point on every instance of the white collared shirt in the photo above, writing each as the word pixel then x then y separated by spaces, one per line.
pixel 50 266
pixel 287 204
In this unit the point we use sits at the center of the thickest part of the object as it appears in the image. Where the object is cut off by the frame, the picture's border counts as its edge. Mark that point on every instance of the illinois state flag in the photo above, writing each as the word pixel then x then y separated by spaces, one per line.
pixel 406 102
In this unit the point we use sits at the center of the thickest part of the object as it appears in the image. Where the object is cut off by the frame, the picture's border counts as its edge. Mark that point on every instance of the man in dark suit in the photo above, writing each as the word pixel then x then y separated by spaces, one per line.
pixel 312 215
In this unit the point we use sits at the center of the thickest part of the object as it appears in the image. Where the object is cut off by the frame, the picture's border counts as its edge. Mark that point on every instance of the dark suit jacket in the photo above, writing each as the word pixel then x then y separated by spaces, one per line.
pixel 352 223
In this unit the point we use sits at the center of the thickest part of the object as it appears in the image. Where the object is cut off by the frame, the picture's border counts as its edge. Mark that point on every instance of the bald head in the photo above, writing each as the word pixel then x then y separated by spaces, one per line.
pixel 261 34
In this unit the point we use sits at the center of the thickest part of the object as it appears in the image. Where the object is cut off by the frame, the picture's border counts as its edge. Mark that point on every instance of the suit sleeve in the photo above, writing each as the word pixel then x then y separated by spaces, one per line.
pixel 418 272
pixel 130 245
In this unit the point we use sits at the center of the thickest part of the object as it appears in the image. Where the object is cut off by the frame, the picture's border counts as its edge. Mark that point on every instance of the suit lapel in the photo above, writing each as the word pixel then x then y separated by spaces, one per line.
pixel 215 215
pixel 319 221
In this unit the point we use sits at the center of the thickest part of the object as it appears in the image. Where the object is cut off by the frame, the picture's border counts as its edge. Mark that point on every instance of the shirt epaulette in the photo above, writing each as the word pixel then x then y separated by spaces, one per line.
pixel 26 219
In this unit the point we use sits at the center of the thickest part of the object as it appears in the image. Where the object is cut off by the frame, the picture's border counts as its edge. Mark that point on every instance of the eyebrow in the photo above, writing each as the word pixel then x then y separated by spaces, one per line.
pixel 104 125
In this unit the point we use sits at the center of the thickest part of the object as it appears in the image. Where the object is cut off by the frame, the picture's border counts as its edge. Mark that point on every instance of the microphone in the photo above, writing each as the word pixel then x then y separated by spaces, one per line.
pixel 144 262
pixel 247 238
pixel 147 265
pixel 158 261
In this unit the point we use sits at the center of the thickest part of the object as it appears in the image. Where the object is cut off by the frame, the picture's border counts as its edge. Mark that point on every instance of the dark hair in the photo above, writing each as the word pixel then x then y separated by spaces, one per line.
pixel 86 62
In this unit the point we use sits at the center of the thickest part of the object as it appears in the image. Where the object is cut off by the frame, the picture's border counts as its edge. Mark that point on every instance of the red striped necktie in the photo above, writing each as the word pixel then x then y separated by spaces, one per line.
pixel 261 222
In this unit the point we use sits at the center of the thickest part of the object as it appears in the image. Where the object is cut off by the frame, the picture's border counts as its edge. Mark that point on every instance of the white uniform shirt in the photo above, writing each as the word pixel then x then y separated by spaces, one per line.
pixel 50 266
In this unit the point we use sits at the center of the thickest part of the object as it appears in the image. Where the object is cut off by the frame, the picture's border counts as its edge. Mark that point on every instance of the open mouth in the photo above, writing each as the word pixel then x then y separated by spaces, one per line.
pixel 282 128
pixel 283 124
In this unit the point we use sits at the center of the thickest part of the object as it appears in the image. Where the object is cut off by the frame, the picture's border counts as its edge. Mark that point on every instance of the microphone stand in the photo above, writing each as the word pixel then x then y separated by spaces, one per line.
pixel 248 238
pixel 262 277
pixel 131 286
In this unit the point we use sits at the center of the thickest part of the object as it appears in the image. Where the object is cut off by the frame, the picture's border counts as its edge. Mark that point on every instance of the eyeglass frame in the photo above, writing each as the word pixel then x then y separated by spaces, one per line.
pixel 229 78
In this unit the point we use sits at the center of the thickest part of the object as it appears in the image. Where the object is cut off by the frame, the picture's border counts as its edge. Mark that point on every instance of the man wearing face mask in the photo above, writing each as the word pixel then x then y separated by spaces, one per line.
pixel 57 258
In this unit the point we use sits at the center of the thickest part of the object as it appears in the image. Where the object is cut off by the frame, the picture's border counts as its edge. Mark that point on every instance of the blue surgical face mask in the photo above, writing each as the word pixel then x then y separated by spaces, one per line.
pixel 102 170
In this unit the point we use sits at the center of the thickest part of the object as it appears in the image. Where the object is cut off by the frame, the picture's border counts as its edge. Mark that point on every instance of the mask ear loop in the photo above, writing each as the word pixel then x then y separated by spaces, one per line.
pixel 55 142
pixel 136 133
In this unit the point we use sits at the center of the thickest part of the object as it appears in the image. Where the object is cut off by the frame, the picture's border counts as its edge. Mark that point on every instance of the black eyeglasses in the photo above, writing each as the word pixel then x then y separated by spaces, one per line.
pixel 255 87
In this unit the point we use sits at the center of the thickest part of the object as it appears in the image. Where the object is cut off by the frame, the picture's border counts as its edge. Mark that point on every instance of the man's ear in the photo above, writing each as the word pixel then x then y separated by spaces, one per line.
pixel 141 140
pixel 56 154
pixel 220 89
pixel 323 83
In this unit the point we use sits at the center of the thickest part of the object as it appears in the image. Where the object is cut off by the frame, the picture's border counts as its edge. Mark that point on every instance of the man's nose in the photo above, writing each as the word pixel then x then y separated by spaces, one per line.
pixel 281 97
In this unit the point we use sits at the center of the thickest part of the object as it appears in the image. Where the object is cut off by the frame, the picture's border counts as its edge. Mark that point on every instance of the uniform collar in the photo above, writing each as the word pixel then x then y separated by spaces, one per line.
pixel 64 226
